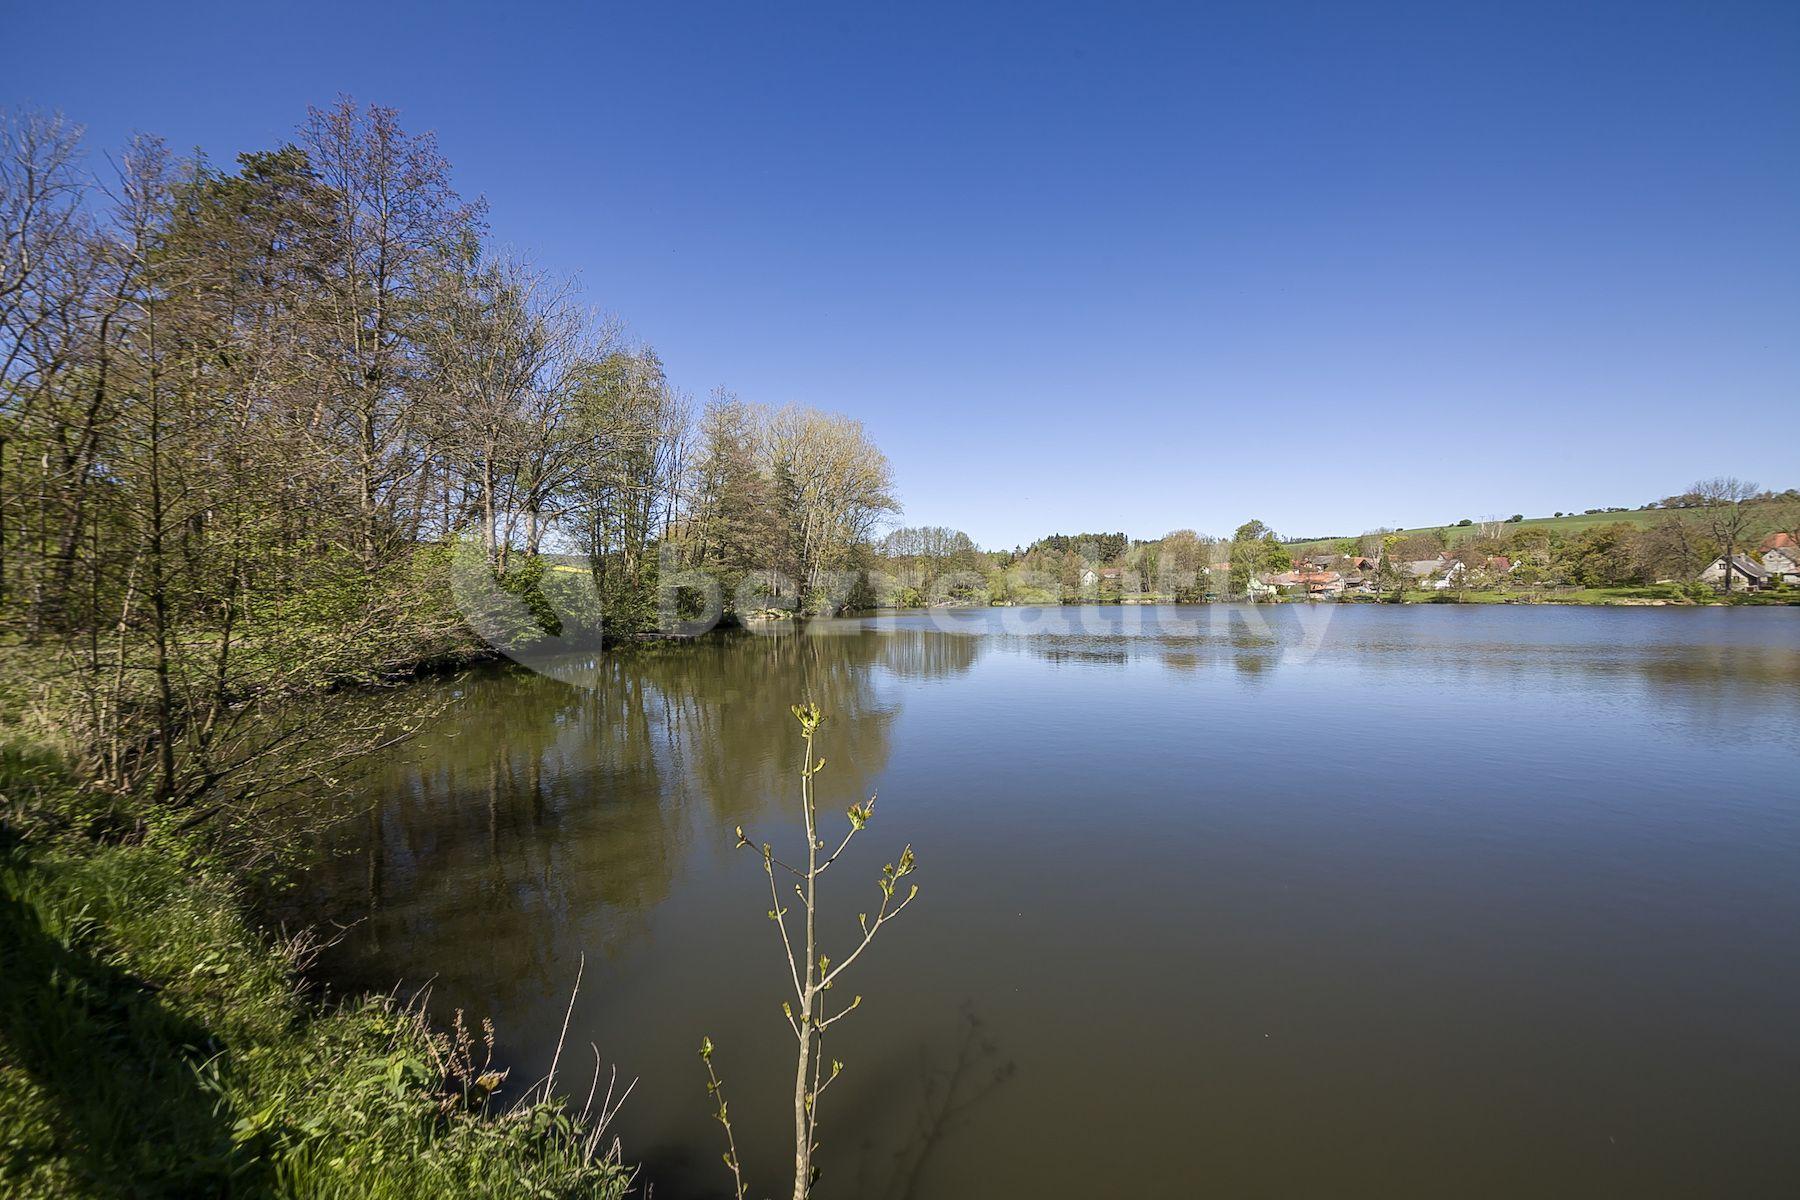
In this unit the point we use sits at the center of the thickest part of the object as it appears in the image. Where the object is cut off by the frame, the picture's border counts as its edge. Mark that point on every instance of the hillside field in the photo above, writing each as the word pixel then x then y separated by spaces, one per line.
pixel 1568 523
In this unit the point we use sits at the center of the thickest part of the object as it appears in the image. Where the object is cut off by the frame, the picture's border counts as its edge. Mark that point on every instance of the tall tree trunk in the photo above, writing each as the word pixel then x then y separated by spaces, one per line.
pixel 159 595
pixel 3 519
pixel 487 508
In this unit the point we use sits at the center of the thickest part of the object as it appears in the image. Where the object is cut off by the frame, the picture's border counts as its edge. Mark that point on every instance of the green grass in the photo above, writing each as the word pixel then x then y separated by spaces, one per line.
pixel 1568 523
pixel 1455 533
pixel 1670 593
pixel 154 1043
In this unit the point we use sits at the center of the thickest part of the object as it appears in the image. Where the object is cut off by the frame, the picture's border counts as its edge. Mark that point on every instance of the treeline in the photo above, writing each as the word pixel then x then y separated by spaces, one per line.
pixel 930 564
pixel 1094 547
pixel 1693 529
pixel 937 565
pixel 251 416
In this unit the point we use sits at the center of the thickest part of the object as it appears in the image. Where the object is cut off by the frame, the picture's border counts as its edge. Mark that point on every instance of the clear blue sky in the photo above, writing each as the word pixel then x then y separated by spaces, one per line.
pixel 1113 266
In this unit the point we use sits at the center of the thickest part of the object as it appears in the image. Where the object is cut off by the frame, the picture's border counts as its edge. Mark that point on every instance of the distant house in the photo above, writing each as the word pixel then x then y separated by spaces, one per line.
pixel 1743 569
pixel 1781 557
pixel 1089 577
pixel 1438 573
pixel 1779 541
pixel 1359 563
pixel 1499 564
pixel 1782 562
pixel 1323 584
pixel 1093 575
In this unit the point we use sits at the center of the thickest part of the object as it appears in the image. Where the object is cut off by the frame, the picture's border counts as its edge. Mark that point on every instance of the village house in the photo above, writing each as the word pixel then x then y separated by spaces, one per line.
pixel 1326 584
pixel 1782 564
pixel 1745 572
pixel 1781 557
pixel 1438 573
pixel 1315 584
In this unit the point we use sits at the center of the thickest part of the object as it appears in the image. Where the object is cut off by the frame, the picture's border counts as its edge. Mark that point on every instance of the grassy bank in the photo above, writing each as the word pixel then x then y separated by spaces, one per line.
pixel 1634 595
pixel 154 1043
pixel 1629 595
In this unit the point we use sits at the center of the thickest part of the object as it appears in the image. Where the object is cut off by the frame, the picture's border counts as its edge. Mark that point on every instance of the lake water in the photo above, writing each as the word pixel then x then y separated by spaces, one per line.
pixel 1295 901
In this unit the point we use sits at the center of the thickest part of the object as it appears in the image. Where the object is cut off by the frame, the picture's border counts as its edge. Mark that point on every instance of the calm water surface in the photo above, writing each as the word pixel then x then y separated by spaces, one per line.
pixel 1332 901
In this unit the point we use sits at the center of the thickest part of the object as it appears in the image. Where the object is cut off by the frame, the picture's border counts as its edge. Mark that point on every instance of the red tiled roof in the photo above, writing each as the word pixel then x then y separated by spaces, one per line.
pixel 1777 541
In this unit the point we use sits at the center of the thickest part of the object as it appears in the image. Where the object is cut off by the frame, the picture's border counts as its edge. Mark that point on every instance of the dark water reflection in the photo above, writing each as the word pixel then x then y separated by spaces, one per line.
pixel 1353 901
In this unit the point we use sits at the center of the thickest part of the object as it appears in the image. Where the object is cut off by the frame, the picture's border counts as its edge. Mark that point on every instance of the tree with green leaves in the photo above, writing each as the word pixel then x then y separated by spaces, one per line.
pixel 1391 573
pixel 631 427
pixel 1255 550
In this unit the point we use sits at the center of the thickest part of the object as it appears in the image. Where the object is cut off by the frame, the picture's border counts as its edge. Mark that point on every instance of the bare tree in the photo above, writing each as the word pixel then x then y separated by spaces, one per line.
pixel 832 485
pixel 731 527
pixel 1724 504
pixel 44 275
pixel 1667 550
pixel 502 339
pixel 395 222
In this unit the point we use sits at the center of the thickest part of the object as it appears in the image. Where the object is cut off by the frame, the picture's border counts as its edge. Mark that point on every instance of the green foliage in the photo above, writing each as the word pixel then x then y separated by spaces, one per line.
pixel 1600 557
pixel 1094 547
pixel 153 1043
pixel 524 579
pixel 1255 550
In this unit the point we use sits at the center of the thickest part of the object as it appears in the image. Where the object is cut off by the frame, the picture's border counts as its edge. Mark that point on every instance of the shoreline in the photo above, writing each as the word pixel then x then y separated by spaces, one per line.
pixel 1739 600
